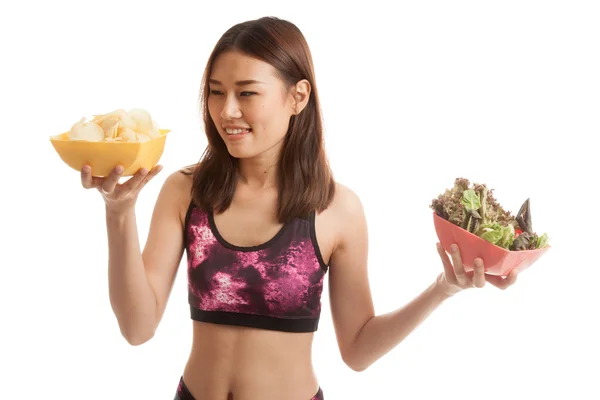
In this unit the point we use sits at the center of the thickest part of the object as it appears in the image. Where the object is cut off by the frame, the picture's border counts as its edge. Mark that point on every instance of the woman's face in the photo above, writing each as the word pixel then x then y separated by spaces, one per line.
pixel 249 104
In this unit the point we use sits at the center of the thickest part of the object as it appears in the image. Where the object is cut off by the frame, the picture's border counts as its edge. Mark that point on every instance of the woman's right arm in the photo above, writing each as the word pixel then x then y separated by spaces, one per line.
pixel 140 283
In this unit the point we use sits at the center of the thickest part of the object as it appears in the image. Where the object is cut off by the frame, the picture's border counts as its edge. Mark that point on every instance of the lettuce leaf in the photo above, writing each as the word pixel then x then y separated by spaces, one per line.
pixel 502 236
pixel 471 200
pixel 542 241
pixel 492 235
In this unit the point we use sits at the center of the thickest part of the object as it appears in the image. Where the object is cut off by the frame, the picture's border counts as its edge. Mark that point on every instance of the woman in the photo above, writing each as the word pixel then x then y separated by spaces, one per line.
pixel 262 222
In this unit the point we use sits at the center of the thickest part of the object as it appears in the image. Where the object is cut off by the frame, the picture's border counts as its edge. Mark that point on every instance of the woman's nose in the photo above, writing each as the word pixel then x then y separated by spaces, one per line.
pixel 231 109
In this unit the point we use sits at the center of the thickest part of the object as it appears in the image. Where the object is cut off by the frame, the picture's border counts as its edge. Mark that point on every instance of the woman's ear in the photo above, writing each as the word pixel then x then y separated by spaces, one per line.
pixel 301 95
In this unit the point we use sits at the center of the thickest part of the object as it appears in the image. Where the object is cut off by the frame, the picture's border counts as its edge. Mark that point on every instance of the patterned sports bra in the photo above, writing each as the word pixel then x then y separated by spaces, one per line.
pixel 276 285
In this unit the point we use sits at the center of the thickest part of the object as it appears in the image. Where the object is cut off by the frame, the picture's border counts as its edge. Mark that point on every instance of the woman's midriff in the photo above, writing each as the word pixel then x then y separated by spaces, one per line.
pixel 238 363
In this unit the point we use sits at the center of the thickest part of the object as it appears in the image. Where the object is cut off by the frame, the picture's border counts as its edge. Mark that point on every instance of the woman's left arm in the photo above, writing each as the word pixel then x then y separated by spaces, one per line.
pixel 363 337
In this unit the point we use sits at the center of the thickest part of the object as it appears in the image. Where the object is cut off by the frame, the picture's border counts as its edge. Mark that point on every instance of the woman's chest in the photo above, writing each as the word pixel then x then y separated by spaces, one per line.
pixel 254 224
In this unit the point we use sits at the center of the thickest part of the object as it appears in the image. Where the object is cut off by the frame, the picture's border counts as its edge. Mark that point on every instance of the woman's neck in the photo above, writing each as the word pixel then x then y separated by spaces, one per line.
pixel 258 172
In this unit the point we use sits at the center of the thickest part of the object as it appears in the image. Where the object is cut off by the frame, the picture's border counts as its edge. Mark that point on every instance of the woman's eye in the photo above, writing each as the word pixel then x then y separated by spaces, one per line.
pixel 242 94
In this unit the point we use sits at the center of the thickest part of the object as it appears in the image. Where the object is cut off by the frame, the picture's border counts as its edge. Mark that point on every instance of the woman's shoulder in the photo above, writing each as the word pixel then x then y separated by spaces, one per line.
pixel 344 211
pixel 188 170
pixel 180 179
pixel 346 202
pixel 343 216
pixel 177 187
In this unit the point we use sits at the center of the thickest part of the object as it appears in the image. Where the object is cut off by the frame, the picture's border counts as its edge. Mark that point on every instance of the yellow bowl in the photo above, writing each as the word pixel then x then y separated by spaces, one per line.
pixel 103 157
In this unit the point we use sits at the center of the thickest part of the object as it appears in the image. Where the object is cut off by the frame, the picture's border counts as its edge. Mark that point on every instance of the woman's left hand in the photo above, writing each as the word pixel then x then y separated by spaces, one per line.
pixel 455 279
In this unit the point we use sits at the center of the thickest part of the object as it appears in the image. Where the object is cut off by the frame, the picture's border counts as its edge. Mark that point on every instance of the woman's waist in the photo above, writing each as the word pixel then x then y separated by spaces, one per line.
pixel 240 357
pixel 200 377
pixel 239 344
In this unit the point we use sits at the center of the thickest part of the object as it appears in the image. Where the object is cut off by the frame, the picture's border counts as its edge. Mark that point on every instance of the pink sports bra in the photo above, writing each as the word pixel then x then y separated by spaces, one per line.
pixel 276 285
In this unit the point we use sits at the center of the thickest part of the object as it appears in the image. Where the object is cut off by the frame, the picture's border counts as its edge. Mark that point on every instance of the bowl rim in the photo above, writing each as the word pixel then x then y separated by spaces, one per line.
pixel 59 138
pixel 464 231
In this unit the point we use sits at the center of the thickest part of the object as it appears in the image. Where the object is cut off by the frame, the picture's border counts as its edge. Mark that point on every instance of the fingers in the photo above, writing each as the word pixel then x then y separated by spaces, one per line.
pixel 110 182
pixel 87 180
pixel 479 273
pixel 455 271
pixel 501 282
pixel 141 178
pixel 459 269
pixel 448 270
pixel 86 177
pixel 134 182
pixel 153 172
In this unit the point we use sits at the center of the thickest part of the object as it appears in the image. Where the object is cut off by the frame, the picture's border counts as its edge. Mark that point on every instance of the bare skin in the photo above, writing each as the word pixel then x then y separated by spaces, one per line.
pixel 244 363
pixel 239 363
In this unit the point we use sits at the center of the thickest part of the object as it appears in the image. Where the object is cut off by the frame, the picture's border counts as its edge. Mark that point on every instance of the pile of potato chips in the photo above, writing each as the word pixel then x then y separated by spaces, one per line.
pixel 135 125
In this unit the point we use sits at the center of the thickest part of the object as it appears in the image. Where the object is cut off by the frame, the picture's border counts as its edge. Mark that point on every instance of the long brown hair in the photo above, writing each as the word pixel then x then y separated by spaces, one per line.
pixel 305 181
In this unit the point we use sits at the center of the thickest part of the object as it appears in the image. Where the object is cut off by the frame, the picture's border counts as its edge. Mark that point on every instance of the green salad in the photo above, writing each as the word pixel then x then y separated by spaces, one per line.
pixel 474 208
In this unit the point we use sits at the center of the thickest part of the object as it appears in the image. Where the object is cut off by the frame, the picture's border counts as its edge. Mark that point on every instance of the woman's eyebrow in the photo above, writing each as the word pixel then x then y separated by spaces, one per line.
pixel 238 83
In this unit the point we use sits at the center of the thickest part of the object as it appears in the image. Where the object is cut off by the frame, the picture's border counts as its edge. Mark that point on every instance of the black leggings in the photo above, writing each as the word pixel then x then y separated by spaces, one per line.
pixel 184 394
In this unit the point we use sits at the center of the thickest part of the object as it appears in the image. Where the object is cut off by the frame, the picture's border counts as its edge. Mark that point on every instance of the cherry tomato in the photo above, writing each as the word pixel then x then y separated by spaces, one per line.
pixel 518 232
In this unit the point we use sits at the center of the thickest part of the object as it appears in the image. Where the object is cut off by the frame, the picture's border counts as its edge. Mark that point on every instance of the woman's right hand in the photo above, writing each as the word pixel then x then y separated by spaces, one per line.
pixel 119 197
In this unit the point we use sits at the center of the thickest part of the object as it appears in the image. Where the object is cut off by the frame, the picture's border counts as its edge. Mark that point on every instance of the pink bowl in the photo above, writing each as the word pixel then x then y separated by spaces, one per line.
pixel 497 261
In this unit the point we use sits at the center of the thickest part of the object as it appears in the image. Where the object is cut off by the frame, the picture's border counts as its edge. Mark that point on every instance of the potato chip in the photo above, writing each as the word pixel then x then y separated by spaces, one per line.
pixel 117 126
pixel 88 131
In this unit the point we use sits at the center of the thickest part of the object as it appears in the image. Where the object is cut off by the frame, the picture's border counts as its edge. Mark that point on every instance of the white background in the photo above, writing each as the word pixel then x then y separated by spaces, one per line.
pixel 504 93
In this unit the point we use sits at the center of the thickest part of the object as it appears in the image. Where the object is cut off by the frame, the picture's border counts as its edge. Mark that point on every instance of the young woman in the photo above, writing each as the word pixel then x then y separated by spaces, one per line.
pixel 262 222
